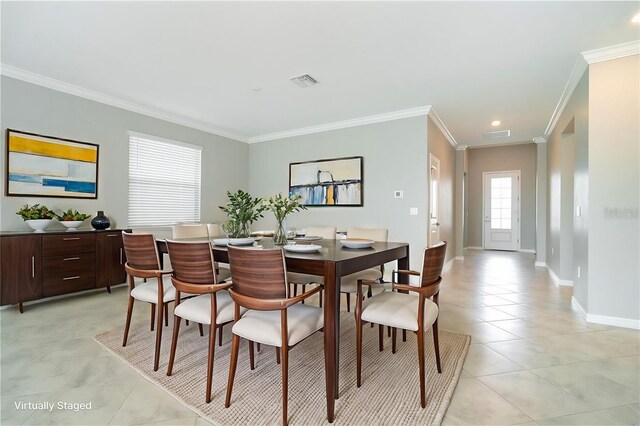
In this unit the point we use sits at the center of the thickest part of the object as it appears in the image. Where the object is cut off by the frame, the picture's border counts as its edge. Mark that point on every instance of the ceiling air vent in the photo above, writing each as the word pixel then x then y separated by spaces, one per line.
pixel 497 135
pixel 304 80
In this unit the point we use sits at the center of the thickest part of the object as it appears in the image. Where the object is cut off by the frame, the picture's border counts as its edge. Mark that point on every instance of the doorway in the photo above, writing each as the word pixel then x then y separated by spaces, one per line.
pixel 501 199
pixel 434 200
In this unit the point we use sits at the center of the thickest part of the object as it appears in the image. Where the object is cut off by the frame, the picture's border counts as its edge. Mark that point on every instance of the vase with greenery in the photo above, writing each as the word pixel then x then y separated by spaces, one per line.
pixel 37 217
pixel 281 208
pixel 72 219
pixel 242 210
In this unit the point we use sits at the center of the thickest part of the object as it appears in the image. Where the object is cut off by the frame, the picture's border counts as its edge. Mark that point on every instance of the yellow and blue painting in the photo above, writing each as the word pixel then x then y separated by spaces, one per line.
pixel 334 182
pixel 46 166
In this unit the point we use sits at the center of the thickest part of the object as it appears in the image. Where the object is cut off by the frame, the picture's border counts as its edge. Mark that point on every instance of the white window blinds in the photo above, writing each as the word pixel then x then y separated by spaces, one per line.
pixel 164 182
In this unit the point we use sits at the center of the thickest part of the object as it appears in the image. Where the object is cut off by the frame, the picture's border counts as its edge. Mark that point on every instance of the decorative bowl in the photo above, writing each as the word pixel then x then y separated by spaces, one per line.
pixel 38 225
pixel 71 225
pixel 302 248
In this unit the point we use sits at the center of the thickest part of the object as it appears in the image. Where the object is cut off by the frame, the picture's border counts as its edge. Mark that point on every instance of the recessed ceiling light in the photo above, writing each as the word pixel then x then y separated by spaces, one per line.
pixel 495 123
pixel 636 19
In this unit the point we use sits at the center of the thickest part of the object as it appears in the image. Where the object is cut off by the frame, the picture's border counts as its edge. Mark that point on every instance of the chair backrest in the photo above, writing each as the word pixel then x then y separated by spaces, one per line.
pixel 326 232
pixel 433 263
pixel 195 230
pixel 192 262
pixel 214 230
pixel 141 251
pixel 258 273
pixel 375 234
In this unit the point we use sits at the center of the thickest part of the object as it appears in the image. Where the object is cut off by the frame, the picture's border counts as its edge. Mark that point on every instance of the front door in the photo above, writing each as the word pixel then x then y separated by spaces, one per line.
pixel 434 200
pixel 502 210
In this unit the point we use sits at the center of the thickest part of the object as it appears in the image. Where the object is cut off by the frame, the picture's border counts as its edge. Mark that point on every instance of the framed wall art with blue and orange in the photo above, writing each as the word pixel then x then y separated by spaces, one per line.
pixel 47 166
pixel 335 182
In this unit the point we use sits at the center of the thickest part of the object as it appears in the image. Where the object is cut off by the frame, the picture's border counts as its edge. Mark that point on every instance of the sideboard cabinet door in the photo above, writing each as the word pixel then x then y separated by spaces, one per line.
pixel 20 269
pixel 111 259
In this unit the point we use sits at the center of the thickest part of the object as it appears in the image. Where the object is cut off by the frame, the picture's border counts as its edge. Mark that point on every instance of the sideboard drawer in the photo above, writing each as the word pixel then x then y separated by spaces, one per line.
pixel 54 245
pixel 64 274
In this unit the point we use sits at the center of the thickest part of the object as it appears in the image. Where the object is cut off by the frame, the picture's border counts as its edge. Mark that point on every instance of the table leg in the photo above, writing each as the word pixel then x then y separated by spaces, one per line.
pixel 331 336
pixel 403 263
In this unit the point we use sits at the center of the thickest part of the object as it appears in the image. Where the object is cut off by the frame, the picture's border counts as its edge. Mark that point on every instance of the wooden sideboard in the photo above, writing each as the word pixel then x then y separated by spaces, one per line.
pixel 51 263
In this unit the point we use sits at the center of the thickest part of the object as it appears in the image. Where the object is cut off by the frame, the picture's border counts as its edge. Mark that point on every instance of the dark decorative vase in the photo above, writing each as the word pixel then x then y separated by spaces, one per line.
pixel 100 222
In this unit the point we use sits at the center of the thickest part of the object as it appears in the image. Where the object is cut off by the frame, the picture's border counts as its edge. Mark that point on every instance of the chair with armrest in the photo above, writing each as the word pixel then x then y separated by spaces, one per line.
pixel 194 273
pixel 143 261
pixel 405 310
pixel 297 279
pixel 200 230
pixel 260 284
pixel 349 283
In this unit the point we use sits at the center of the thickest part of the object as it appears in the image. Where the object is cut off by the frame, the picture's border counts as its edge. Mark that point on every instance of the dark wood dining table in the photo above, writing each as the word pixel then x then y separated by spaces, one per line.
pixel 331 262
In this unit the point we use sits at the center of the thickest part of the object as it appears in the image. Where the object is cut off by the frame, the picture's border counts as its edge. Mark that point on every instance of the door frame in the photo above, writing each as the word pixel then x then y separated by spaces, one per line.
pixel 433 160
pixel 519 229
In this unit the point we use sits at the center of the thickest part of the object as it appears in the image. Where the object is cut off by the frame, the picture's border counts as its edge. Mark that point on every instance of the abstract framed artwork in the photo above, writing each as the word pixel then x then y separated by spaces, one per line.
pixel 336 182
pixel 47 166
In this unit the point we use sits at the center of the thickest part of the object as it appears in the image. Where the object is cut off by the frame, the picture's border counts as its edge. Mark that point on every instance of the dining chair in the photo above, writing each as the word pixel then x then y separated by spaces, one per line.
pixel 259 283
pixel 194 273
pixel 349 283
pixel 214 230
pixel 201 230
pixel 405 310
pixel 143 262
pixel 297 279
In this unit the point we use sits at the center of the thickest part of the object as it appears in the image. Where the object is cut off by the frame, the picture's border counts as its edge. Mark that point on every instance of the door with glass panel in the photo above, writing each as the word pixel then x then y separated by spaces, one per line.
pixel 502 210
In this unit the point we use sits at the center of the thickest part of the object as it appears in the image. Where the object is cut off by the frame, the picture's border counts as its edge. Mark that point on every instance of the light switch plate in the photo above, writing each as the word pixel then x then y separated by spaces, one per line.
pixel 413 211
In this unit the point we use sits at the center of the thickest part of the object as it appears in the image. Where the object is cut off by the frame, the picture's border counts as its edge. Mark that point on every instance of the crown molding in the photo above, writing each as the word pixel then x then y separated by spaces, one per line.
pixel 612 52
pixel 461 148
pixel 61 86
pixel 354 122
pixel 576 74
pixel 539 139
pixel 436 119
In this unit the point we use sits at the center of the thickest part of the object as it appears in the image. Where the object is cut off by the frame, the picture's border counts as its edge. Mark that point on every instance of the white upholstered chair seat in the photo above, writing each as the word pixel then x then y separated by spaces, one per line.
pixel 398 310
pixel 148 292
pixel 349 283
pixel 264 326
pixel 198 309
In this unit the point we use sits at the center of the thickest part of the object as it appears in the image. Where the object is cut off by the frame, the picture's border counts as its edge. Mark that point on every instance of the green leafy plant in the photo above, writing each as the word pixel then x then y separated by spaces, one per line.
pixel 281 207
pixel 70 215
pixel 35 212
pixel 242 210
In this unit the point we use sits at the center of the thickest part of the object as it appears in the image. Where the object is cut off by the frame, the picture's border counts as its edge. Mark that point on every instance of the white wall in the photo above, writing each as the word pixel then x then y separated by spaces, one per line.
pixel 395 158
pixel 36 109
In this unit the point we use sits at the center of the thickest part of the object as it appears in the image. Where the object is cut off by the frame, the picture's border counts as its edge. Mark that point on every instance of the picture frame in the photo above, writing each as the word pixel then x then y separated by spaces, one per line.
pixel 333 182
pixel 48 166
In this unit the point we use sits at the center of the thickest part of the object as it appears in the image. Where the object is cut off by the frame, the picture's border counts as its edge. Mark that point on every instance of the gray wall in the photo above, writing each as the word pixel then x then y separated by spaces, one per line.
pixel 440 147
pixel 541 203
pixel 33 108
pixel 395 158
pixel 513 157
pixel 614 183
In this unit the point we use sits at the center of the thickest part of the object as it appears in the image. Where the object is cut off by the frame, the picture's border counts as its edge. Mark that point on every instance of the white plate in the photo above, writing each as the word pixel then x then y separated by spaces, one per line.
pixel 356 243
pixel 220 241
pixel 241 241
pixel 308 238
pixel 302 248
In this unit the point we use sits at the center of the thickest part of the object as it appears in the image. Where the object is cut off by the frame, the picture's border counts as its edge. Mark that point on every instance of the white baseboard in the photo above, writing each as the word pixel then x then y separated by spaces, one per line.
pixel 541 264
pixel 448 265
pixel 458 258
pixel 474 248
pixel 527 251
pixel 557 281
pixel 604 319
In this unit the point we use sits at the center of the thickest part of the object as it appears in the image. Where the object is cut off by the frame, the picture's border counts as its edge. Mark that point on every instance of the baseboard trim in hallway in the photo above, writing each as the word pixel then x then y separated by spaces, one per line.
pixel 557 280
pixel 604 319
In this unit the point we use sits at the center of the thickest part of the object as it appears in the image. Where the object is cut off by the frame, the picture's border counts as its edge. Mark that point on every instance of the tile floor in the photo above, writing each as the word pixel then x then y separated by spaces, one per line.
pixel 532 359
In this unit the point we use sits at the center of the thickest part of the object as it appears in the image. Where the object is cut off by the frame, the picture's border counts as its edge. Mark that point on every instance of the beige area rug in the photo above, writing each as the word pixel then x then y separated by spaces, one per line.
pixel 390 384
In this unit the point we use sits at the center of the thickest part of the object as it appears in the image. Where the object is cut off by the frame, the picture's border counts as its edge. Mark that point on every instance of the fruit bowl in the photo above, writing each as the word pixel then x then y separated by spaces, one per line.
pixel 71 225
pixel 38 225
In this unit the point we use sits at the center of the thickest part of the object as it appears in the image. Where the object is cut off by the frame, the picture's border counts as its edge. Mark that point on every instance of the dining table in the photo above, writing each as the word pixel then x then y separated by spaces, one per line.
pixel 332 261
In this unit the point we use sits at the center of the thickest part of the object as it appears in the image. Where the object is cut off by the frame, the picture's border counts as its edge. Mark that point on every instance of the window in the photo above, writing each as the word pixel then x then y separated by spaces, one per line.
pixel 164 181
pixel 501 203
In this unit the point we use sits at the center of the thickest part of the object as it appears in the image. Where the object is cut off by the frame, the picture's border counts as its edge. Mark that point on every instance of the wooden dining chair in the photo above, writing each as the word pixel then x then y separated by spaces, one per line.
pixel 349 283
pixel 297 279
pixel 143 261
pixel 260 284
pixel 200 230
pixel 194 273
pixel 410 309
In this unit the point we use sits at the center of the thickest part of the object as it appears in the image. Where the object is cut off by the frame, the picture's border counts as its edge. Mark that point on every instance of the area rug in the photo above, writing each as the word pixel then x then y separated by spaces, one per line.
pixel 390 392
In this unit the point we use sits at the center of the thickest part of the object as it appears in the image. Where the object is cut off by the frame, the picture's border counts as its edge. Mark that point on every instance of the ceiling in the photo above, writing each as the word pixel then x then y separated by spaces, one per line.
pixel 473 62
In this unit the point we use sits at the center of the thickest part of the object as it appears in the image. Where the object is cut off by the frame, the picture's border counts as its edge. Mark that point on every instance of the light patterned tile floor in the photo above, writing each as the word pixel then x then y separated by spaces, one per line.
pixel 532 359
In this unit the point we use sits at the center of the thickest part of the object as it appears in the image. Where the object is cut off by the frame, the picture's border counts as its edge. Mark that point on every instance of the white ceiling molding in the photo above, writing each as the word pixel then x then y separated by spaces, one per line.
pixel 612 52
pixel 576 74
pixel 362 121
pixel 61 86
pixel 442 127
pixel 539 139
pixel 462 148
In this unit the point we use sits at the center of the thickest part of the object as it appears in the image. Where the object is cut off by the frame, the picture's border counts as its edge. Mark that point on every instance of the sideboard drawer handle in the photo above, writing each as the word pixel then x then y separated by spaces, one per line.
pixel 112 235
pixel 33 267
pixel 71 258
pixel 69 239
pixel 71 278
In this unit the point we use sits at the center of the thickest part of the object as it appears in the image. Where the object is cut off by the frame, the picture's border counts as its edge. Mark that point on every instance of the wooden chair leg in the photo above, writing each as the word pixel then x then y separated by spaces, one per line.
pixel 128 321
pixel 166 315
pixel 358 350
pixel 174 343
pixel 295 290
pixel 393 340
pixel 109 289
pixel 156 359
pixel 420 334
pixel 380 333
pixel 153 315
pixel 285 382
pixel 201 329
pixel 388 331
pixel 220 335
pixel 186 322
pixel 258 346
pixel 211 358
pixel 348 302
pixel 404 335
pixel 251 357
pixel 436 345
pixel 235 344
pixel 278 355
pixel 304 288
pixel 320 297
